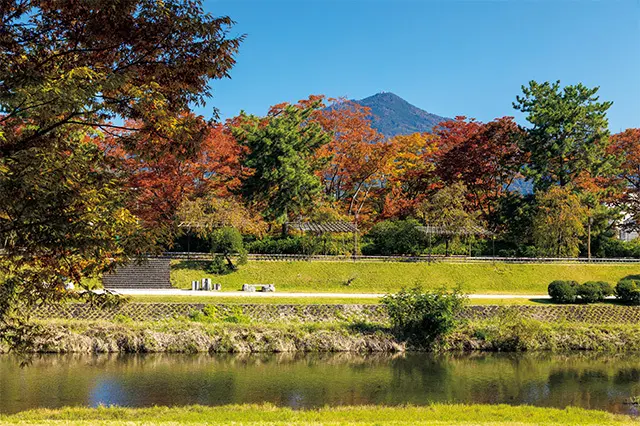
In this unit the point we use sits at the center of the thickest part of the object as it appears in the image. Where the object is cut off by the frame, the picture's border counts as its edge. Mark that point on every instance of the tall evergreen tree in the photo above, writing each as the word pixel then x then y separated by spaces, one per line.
pixel 282 181
pixel 568 134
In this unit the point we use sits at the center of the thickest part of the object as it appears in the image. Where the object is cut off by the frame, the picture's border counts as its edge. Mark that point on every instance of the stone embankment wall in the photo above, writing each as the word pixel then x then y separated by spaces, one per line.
pixel 596 314
pixel 143 274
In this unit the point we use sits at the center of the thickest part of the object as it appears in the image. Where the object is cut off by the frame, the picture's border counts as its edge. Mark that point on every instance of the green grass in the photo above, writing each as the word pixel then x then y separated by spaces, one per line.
pixel 266 300
pixel 509 302
pixel 365 415
pixel 538 302
pixel 385 277
pixel 233 300
pixel 256 300
pixel 509 332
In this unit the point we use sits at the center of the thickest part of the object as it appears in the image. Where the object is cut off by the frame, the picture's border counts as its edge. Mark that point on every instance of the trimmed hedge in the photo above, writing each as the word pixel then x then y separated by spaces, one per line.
pixel 563 291
pixel 572 292
pixel 594 291
pixel 628 291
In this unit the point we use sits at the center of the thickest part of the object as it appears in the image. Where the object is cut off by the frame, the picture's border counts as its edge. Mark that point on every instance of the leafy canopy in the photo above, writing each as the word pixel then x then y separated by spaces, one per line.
pixel 71 73
pixel 449 209
pixel 559 223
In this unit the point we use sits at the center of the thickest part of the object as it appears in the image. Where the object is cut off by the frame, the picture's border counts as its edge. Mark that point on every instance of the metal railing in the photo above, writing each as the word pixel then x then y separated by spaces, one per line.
pixel 422 258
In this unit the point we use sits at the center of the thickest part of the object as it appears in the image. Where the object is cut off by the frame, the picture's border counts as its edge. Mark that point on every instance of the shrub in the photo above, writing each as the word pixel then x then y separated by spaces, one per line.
pixel 563 291
pixel 594 291
pixel 211 314
pixel 288 245
pixel 606 288
pixel 208 314
pixel 336 244
pixel 235 315
pixel 628 291
pixel 197 316
pixel 420 316
pixel 217 266
pixel 123 319
pixel 226 242
pixel 393 237
pixel 613 247
pixel 210 311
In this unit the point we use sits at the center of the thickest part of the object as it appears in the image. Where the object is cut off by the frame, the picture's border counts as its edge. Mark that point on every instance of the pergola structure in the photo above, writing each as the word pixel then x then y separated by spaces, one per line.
pixel 443 230
pixel 466 231
pixel 190 224
pixel 337 227
pixel 330 227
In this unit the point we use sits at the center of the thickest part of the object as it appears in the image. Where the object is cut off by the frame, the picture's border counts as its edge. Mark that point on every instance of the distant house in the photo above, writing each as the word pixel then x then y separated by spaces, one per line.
pixel 627 228
pixel 625 234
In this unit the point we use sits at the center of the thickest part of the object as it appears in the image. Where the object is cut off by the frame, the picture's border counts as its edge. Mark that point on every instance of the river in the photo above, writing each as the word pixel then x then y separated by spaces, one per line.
pixel 314 380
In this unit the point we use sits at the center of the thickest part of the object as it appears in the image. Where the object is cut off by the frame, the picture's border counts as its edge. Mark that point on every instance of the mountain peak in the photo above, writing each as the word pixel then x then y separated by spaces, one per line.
pixel 386 96
pixel 392 115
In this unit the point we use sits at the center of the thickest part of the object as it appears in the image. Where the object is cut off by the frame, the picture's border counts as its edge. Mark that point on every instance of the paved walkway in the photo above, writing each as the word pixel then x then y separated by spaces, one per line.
pixel 178 292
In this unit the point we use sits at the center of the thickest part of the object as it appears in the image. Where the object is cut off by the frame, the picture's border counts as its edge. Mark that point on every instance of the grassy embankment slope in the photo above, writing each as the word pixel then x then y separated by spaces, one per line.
pixel 238 334
pixel 367 415
pixel 389 277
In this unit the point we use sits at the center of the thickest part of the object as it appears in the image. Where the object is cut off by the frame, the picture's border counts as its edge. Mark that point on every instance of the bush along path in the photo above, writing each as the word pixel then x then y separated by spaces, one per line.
pixel 627 291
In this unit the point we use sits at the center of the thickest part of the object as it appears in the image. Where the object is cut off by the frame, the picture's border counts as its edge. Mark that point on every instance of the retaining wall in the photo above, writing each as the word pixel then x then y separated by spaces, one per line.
pixel 597 314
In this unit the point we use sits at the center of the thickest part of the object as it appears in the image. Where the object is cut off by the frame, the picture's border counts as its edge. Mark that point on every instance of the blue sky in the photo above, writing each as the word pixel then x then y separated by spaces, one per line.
pixel 447 57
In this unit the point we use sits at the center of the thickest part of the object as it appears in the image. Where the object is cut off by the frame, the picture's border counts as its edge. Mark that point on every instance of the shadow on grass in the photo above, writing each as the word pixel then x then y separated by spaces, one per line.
pixel 191 264
pixel 544 301
pixel 207 266
pixel 608 302
pixel 631 277
pixel 614 302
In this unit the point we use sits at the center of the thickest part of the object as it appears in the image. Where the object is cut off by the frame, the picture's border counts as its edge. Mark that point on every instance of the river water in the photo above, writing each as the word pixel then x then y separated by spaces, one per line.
pixel 314 380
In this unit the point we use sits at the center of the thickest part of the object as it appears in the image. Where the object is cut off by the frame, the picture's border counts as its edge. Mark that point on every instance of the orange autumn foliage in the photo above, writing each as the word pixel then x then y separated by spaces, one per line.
pixel 161 183
pixel 411 174
pixel 485 157
pixel 357 154
pixel 626 147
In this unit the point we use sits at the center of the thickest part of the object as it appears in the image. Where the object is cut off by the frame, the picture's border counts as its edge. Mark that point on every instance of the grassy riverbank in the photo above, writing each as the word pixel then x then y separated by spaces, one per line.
pixel 235 334
pixel 439 414
pixel 389 277
pixel 512 334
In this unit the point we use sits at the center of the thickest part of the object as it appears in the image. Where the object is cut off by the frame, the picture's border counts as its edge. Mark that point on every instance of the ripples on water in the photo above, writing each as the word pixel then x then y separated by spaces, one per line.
pixel 313 380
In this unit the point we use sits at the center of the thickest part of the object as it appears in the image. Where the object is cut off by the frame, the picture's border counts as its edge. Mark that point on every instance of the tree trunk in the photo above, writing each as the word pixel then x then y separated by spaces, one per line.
pixel 229 262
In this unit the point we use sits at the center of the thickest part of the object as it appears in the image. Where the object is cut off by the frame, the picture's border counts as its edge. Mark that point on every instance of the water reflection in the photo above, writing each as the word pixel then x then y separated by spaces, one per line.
pixel 312 380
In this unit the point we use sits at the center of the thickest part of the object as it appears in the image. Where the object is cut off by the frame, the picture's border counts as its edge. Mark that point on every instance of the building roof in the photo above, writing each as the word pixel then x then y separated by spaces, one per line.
pixel 323 227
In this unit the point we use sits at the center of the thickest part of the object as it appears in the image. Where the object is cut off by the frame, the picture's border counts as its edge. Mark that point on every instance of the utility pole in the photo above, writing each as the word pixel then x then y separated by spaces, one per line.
pixel 355 238
pixel 589 222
